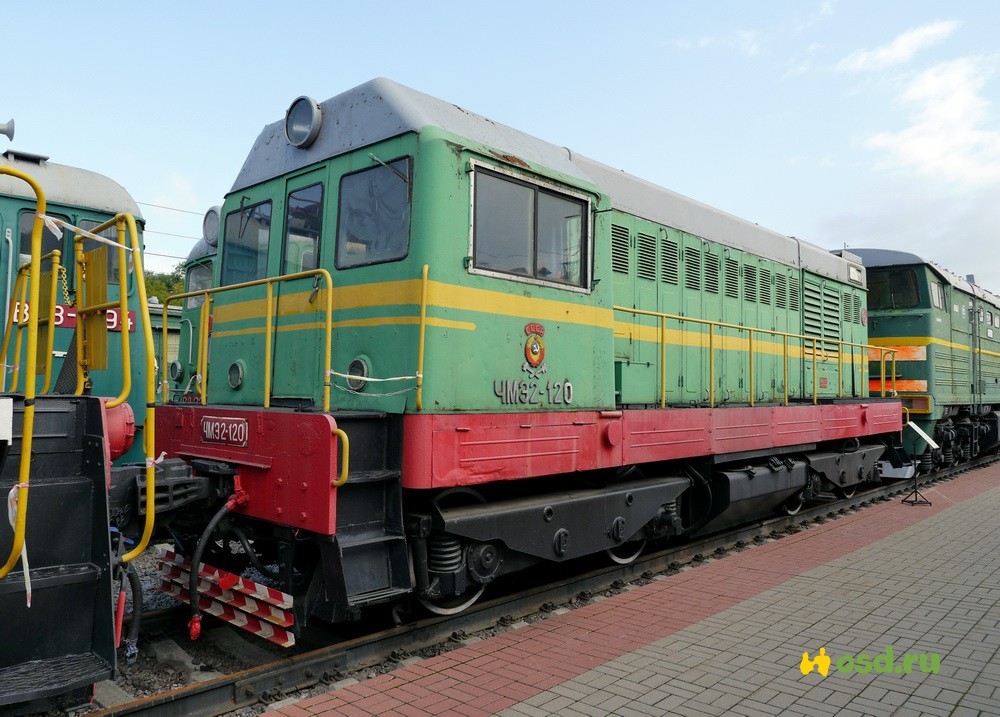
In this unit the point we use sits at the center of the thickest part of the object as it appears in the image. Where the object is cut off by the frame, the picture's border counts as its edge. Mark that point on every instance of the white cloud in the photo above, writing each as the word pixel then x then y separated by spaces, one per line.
pixel 900 50
pixel 948 138
pixel 746 42
pixel 825 10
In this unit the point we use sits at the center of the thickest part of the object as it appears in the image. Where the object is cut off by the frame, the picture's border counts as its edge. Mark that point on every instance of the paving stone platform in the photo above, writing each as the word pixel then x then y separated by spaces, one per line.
pixel 729 636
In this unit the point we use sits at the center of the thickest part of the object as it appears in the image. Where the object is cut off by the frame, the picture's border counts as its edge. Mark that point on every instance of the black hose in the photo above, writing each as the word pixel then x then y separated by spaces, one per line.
pixel 136 586
pixel 194 625
pixel 254 560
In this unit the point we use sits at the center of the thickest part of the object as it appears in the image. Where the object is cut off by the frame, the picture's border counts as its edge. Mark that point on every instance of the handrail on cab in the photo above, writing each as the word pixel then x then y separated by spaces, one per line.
pixel 24 469
pixel 20 287
pixel 816 348
pixel 268 330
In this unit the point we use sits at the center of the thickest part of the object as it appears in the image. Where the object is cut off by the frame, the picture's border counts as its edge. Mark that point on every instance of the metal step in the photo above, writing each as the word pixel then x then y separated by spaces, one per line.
pixel 44 678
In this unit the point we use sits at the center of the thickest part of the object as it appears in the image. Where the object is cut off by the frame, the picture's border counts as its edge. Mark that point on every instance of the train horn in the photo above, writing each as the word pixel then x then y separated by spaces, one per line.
pixel 8 129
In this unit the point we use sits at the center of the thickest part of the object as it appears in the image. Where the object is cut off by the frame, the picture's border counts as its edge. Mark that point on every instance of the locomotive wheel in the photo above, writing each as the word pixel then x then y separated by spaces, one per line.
pixel 848 491
pixel 794 504
pixel 626 552
pixel 454 604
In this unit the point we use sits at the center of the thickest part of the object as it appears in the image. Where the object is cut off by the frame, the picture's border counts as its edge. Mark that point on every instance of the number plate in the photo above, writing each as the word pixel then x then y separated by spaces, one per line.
pixel 225 430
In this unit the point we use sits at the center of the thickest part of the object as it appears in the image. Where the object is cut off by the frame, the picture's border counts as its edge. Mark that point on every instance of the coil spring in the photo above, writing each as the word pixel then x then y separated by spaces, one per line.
pixel 444 554
pixel 926 462
pixel 947 456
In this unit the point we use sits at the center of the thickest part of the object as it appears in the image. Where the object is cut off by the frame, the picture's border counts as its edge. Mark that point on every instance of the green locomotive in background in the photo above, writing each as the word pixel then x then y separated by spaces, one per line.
pixel 946 334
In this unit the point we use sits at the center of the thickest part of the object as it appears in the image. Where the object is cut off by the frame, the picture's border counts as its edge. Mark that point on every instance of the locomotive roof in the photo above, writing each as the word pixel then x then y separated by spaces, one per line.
pixel 884 258
pixel 66 185
pixel 381 109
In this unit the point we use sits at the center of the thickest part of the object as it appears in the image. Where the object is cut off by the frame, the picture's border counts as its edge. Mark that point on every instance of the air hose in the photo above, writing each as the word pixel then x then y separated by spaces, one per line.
pixel 194 624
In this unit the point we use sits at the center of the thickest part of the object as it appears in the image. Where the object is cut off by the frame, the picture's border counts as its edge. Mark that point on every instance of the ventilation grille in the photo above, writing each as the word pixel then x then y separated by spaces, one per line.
pixel 780 291
pixel 619 249
pixel 646 245
pixel 692 268
pixel 670 262
pixel 712 273
pixel 765 286
pixel 793 294
pixel 732 279
pixel 750 283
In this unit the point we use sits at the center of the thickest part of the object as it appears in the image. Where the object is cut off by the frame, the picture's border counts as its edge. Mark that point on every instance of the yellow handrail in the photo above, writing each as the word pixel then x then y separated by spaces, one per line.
pixel 20 289
pixel 421 340
pixel 817 351
pixel 20 522
pixel 344 457
pixel 203 330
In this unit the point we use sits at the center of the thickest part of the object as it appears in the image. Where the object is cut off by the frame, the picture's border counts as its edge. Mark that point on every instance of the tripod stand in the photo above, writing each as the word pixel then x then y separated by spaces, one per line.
pixel 916 497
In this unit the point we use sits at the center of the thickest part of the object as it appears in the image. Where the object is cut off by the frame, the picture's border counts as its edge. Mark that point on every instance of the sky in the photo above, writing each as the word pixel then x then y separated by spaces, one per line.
pixel 843 122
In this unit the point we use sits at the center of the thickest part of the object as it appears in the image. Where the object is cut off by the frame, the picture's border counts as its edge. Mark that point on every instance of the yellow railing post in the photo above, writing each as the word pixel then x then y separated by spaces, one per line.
pixel 750 357
pixel 268 334
pixel 784 365
pixel 22 319
pixel 24 474
pixel 815 383
pixel 422 339
pixel 51 318
pixel 711 365
pixel 663 362
pixel 19 288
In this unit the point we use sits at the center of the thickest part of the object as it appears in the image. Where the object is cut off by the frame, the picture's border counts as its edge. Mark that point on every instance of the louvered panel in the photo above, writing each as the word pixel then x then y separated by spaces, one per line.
pixel 619 249
pixel 780 291
pixel 812 311
pixel 732 279
pixel 765 286
pixel 847 308
pixel 856 318
pixel 646 246
pixel 793 295
pixel 669 262
pixel 831 313
pixel 750 283
pixel 692 268
pixel 712 273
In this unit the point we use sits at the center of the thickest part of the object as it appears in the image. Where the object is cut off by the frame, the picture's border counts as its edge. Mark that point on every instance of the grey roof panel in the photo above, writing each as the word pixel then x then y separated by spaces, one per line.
pixel 381 109
pixel 66 185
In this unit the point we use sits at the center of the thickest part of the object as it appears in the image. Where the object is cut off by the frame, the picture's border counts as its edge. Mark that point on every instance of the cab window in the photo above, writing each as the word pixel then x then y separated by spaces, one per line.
pixel 246 238
pixel 892 289
pixel 373 221
pixel 199 277
pixel 303 227
pixel 109 233
pixel 527 230
pixel 50 241
pixel 937 295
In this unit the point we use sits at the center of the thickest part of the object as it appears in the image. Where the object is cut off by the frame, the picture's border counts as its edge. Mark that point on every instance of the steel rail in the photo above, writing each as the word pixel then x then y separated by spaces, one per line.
pixel 274 681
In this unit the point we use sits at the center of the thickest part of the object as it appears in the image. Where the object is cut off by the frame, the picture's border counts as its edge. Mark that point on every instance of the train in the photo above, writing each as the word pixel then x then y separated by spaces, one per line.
pixel 944 332
pixel 435 351
pixel 422 352
pixel 73 305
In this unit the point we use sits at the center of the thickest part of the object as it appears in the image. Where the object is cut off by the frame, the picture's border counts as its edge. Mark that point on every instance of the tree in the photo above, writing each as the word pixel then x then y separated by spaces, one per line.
pixel 162 285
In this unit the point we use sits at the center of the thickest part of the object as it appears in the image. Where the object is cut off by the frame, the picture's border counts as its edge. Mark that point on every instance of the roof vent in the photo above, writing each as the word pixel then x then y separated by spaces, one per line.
pixel 971 278
pixel 27 157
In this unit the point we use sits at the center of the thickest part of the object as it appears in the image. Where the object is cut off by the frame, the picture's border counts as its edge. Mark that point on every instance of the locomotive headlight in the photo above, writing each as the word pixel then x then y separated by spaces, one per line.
pixel 236 372
pixel 302 121
pixel 210 226
pixel 175 371
pixel 358 368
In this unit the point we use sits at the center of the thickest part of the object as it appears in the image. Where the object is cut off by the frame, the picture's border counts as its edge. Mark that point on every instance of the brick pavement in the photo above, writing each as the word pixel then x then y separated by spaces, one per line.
pixel 728 637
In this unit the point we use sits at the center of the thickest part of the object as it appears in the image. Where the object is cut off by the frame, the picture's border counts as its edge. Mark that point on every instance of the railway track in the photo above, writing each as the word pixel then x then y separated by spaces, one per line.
pixel 275 680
